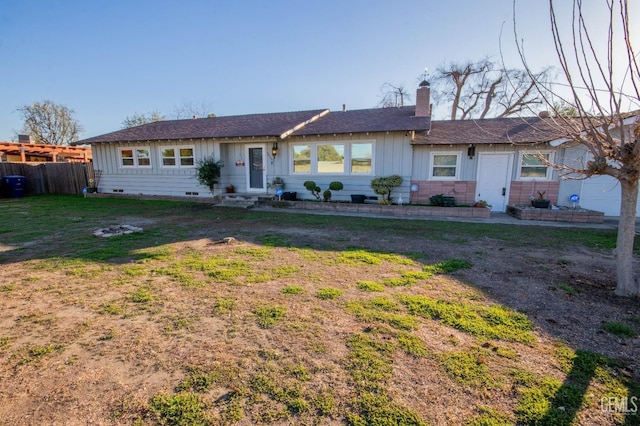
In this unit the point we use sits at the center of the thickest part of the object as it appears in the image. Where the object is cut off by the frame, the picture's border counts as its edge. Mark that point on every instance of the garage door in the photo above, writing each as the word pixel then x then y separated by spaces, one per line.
pixel 601 193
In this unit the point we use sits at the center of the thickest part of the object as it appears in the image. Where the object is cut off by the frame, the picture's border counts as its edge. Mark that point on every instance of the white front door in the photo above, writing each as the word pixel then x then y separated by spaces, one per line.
pixel 494 176
pixel 256 169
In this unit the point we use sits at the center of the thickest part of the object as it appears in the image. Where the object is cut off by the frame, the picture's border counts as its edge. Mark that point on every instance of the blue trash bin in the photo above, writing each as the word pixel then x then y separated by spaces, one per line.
pixel 14 186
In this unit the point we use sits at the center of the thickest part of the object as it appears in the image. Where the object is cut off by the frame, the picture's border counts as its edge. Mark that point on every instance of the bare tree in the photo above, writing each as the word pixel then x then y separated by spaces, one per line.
pixel 603 84
pixel 50 123
pixel 190 109
pixel 393 96
pixel 482 89
pixel 140 119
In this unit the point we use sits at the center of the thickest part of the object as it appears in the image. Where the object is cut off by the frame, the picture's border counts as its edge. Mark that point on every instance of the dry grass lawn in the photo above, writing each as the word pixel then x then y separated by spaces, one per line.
pixel 304 319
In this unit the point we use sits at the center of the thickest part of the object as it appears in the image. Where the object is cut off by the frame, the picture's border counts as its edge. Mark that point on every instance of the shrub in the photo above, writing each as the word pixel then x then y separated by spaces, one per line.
pixel 384 185
pixel 208 172
pixel 442 200
pixel 313 188
pixel 333 186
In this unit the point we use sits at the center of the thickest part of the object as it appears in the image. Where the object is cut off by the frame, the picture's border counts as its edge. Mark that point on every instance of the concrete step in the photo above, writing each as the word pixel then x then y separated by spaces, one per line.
pixel 245 201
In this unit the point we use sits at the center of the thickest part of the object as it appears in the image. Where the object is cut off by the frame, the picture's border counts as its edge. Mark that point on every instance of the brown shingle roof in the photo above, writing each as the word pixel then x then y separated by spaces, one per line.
pixel 273 124
pixel 367 120
pixel 492 130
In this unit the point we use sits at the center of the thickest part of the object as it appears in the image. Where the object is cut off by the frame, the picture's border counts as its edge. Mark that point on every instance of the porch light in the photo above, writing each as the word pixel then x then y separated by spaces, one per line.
pixel 471 152
pixel 274 149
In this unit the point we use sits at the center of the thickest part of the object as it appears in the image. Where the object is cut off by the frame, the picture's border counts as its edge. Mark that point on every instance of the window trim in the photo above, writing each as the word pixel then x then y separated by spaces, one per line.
pixel 432 165
pixel 177 156
pixel 549 175
pixel 136 163
pixel 313 158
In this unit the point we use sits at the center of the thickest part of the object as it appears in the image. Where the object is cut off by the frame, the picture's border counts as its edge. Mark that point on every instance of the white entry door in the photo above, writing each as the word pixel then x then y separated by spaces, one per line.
pixel 494 176
pixel 257 169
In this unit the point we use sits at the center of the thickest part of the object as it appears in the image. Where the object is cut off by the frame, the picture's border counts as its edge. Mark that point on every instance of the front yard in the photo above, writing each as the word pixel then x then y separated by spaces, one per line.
pixel 303 319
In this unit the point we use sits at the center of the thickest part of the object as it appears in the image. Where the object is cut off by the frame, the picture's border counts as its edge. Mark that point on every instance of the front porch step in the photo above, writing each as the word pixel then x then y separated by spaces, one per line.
pixel 245 201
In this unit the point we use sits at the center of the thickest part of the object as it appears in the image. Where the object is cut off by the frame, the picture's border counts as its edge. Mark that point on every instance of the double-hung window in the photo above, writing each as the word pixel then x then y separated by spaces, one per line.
pixel 535 165
pixel 177 156
pixel 445 166
pixel 135 157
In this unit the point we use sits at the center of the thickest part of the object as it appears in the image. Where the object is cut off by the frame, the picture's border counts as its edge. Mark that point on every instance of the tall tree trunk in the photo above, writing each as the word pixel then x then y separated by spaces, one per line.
pixel 627 285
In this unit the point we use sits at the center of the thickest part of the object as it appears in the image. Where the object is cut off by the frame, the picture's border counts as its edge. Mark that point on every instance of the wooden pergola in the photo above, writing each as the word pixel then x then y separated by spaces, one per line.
pixel 32 152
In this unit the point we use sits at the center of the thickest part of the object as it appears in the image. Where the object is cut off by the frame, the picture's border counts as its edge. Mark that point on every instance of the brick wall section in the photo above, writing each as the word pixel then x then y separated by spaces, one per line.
pixel 565 215
pixel 386 210
pixel 521 191
pixel 463 191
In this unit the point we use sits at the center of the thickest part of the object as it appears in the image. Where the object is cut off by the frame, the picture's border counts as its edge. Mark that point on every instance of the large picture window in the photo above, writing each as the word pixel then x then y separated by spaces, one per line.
pixel 341 158
pixel 535 165
pixel 331 159
pixel 445 166
pixel 177 156
pixel 135 157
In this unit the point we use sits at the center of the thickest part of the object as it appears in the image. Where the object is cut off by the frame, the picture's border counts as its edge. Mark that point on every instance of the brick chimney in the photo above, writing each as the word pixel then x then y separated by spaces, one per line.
pixel 423 99
pixel 25 139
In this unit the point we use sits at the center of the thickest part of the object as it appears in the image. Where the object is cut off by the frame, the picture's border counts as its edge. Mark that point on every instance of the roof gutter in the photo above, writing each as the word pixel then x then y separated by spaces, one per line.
pixel 625 122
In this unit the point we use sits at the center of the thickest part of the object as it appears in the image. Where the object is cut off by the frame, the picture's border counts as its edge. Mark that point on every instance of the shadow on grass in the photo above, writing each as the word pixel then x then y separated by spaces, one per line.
pixel 68 222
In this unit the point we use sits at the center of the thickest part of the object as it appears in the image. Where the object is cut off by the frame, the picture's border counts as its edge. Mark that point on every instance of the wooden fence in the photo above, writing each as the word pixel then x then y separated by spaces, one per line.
pixel 51 178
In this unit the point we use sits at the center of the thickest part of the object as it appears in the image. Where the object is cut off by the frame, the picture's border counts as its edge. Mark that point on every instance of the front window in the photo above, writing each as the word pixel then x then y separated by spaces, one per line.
pixel 535 166
pixel 135 157
pixel 177 157
pixel 361 155
pixel 445 166
pixel 331 159
pixel 301 159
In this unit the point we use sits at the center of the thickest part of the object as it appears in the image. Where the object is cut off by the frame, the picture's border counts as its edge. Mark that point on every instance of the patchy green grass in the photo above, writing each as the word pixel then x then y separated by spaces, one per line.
pixel 328 293
pixel 371 286
pixel 568 289
pixel 185 408
pixel 224 305
pixel 370 366
pixel 619 329
pixel 493 321
pixel 292 289
pixel 214 334
pixel 468 367
pixel 268 316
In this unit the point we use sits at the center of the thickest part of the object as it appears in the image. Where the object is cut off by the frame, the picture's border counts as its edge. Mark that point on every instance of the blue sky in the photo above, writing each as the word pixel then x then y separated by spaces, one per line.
pixel 110 59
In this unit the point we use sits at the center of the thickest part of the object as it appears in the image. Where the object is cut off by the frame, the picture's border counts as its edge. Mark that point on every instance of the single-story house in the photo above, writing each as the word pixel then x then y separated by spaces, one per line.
pixel 496 160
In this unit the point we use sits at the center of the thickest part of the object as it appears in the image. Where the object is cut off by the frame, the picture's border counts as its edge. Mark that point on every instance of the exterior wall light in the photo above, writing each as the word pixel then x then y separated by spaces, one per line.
pixel 274 149
pixel 471 152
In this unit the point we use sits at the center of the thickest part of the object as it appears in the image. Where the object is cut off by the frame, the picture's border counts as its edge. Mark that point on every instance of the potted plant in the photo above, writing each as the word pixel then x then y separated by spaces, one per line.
pixel 208 172
pixel 92 186
pixel 540 202
pixel 482 203
pixel 276 183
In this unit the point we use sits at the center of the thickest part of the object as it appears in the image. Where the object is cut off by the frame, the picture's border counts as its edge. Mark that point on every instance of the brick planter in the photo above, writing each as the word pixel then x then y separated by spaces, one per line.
pixel 381 209
pixel 562 214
